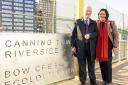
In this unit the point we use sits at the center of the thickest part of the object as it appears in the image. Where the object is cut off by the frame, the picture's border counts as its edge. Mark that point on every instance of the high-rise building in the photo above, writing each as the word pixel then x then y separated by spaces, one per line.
pixel 46 15
pixel 17 15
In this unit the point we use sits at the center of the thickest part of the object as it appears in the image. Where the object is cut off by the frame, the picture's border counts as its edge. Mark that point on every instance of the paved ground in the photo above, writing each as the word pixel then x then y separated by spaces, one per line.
pixel 120 76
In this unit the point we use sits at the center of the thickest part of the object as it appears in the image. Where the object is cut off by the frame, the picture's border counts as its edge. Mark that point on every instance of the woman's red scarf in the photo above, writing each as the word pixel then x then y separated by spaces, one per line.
pixel 102 42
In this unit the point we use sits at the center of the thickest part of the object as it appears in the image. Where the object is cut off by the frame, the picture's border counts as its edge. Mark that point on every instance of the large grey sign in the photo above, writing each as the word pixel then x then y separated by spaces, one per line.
pixel 34 59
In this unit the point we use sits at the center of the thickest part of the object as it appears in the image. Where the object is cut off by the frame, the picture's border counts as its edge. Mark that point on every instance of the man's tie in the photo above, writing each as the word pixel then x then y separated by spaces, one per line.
pixel 87 24
pixel 86 30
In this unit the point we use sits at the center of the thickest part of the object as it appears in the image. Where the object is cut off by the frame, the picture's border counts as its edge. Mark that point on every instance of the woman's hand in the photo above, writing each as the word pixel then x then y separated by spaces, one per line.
pixel 114 50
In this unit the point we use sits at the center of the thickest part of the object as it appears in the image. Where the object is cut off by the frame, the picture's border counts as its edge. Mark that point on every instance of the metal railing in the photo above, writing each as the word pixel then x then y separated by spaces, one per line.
pixel 34 23
pixel 58 25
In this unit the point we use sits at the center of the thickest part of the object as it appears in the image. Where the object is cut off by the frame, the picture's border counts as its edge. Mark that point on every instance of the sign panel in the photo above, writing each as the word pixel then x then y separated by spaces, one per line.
pixel 34 59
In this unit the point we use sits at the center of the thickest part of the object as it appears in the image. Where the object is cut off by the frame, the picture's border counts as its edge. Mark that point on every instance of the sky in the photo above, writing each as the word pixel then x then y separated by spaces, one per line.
pixel 37 0
pixel 120 5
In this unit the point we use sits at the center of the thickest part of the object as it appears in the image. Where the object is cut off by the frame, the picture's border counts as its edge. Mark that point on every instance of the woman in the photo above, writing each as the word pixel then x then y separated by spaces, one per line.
pixel 106 42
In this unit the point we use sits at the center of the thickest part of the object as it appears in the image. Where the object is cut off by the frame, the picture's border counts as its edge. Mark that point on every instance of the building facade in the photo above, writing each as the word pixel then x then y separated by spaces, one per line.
pixel 46 11
pixel 17 15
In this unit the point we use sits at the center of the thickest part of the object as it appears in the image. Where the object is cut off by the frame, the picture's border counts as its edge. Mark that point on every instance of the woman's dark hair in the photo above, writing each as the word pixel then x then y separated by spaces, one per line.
pixel 106 12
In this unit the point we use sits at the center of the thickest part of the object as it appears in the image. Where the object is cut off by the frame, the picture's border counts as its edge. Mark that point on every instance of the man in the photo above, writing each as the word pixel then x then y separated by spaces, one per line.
pixel 83 42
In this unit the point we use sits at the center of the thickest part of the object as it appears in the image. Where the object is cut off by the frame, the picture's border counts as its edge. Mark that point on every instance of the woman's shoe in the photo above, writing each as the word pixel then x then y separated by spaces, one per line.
pixel 109 83
pixel 82 83
pixel 104 83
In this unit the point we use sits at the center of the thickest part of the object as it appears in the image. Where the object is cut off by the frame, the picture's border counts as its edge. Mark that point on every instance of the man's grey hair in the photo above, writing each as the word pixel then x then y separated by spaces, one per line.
pixel 85 8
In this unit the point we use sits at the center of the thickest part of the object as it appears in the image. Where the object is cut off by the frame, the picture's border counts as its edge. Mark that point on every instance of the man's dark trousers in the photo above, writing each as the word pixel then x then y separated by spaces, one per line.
pixel 91 66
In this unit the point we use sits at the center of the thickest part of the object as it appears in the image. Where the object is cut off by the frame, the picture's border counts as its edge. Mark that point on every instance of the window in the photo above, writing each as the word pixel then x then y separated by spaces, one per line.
pixel 18 0
pixel 6 3
pixel 18 8
pixel 29 13
pixel 18 4
pixel 18 20
pixel 29 28
pixel 17 27
pixel 18 16
pixel 28 21
pixel 7 23
pixel 7 10
pixel 27 24
pixel 6 15
pixel 9 0
pixel 9 27
pixel 19 12
pixel 29 9
pixel 18 24
pixel 28 5
pixel 29 17
pixel 28 2
pixel 6 19
pixel 7 7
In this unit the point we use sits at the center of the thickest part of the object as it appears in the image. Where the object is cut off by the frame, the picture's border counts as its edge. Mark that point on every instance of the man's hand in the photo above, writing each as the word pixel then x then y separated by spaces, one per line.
pixel 73 50
pixel 87 36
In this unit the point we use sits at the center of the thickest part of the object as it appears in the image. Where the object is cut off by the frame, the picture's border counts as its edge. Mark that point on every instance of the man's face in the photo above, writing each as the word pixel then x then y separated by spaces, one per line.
pixel 88 12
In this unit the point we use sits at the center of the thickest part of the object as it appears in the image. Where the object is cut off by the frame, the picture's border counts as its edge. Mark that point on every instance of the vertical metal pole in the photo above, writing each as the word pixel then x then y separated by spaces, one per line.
pixel 119 48
pixel 123 36
pixel 81 6
pixel 53 16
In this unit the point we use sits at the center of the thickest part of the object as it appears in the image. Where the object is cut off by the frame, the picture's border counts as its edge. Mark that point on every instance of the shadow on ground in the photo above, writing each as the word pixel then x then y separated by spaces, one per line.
pixel 120 75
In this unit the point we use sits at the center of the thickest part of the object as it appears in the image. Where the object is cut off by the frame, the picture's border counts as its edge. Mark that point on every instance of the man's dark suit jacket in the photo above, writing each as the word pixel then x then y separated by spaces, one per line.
pixel 78 40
